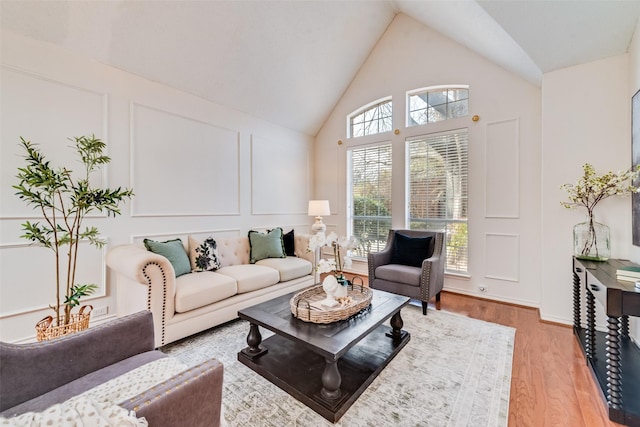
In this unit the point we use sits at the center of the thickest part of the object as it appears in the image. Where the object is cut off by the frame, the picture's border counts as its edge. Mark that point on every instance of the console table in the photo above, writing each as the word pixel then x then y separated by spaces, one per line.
pixel 613 357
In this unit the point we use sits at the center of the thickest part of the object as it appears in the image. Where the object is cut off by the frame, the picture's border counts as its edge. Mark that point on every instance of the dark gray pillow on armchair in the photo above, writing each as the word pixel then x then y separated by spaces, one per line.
pixel 410 250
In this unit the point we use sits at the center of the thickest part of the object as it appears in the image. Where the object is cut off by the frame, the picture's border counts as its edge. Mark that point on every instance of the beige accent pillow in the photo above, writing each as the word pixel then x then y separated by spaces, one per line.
pixel 203 255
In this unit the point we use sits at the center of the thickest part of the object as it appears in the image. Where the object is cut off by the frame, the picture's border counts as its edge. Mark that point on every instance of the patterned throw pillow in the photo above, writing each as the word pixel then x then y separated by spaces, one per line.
pixel 203 255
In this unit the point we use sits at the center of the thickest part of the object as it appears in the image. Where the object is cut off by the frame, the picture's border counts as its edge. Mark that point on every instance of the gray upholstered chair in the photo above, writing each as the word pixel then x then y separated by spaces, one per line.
pixel 409 266
pixel 35 376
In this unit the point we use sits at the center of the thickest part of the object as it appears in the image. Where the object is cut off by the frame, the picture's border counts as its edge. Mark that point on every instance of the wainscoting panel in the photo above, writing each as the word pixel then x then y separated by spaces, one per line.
pixel 48 113
pixel 181 166
pixel 279 173
pixel 502 169
pixel 29 286
pixel 502 255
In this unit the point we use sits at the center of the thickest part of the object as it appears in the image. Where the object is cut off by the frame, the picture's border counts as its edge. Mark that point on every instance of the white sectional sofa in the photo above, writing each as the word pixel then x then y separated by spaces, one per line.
pixel 196 301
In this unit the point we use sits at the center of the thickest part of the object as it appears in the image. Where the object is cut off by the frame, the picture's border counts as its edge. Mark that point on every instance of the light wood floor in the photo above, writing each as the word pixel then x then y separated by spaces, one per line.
pixel 551 384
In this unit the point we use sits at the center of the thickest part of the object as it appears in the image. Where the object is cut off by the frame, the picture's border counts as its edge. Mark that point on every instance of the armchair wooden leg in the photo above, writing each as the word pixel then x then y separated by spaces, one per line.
pixel 438 300
pixel 424 307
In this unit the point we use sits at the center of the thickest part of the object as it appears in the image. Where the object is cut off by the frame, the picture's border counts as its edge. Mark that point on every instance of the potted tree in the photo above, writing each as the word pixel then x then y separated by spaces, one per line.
pixel 64 199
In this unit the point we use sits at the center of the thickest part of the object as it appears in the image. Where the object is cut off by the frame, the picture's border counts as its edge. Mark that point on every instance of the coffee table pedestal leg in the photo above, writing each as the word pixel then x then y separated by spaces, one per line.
pixel 397 334
pixel 331 381
pixel 254 338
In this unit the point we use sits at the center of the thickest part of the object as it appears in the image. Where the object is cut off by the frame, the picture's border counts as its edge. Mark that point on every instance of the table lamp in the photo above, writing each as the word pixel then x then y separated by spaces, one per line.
pixel 319 208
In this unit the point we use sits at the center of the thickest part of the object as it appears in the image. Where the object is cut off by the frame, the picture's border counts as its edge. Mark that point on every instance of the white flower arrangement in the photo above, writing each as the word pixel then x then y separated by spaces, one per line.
pixel 338 262
pixel 592 188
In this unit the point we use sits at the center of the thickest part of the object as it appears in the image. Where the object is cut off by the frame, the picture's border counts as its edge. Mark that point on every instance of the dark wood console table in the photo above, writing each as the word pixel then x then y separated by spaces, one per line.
pixel 613 357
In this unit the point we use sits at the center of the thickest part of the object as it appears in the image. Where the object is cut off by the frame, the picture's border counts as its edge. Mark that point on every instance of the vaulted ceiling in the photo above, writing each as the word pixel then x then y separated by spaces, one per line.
pixel 289 62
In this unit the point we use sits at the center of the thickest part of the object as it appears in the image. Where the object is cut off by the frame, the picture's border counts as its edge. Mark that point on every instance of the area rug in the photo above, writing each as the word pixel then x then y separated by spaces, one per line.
pixel 455 371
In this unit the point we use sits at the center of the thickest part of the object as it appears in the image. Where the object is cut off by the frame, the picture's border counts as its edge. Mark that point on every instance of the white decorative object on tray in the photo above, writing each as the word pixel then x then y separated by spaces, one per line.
pixel 342 290
pixel 329 286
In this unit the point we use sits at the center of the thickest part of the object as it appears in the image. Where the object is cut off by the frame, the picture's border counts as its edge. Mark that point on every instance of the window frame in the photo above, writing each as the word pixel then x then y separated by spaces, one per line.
pixel 427 89
pixel 362 110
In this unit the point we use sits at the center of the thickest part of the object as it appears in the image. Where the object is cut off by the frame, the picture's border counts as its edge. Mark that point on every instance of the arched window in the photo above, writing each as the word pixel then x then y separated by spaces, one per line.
pixel 371 119
pixel 435 104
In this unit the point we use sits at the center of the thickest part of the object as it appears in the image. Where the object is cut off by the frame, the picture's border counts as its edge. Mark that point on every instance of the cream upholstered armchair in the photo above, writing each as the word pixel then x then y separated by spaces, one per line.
pixel 412 264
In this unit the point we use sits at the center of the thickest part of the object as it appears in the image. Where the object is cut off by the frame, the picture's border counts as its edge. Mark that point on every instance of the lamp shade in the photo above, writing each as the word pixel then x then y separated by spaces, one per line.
pixel 319 208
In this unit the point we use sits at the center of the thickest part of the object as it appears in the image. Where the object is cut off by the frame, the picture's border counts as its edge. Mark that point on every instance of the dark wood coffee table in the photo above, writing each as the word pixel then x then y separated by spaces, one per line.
pixel 326 367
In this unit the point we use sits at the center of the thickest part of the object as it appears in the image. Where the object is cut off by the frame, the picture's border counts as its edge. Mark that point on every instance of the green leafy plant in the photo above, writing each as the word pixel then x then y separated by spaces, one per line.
pixel 592 188
pixel 64 200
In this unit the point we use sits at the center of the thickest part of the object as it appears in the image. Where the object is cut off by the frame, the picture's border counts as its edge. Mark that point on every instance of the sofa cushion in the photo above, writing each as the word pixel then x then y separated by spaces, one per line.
pixel 289 268
pixel 173 250
pixel 399 273
pixel 267 245
pixel 203 254
pixel 250 277
pixel 196 290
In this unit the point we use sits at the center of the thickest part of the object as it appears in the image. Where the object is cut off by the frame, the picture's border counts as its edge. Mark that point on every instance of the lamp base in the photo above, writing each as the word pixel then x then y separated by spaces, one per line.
pixel 318 226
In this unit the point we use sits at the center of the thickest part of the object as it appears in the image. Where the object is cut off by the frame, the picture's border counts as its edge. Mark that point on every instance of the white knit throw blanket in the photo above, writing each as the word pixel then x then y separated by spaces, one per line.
pixel 98 407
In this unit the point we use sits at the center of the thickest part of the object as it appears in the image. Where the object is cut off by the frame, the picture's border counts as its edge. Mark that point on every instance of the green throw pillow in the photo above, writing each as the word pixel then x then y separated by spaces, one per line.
pixel 268 245
pixel 174 251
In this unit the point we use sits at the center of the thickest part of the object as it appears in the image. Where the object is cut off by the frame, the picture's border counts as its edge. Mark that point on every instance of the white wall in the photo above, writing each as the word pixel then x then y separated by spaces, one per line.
pixel 586 119
pixel 411 56
pixel 196 167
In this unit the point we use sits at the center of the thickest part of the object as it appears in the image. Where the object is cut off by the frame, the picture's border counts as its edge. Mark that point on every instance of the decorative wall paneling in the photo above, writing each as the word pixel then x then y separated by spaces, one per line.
pixel 502 169
pixel 26 105
pixel 30 286
pixel 502 260
pixel 188 160
pixel 275 170
pixel 46 112
pixel 174 157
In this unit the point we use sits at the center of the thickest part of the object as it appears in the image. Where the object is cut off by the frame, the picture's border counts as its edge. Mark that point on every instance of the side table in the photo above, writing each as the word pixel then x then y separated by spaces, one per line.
pixel 613 357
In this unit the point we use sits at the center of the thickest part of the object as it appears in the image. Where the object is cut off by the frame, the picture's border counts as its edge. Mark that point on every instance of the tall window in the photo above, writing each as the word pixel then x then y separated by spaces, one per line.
pixel 437 104
pixel 369 195
pixel 438 190
pixel 372 119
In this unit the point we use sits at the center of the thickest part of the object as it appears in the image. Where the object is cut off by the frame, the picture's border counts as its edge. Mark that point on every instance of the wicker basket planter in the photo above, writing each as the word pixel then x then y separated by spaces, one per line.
pixel 301 304
pixel 46 329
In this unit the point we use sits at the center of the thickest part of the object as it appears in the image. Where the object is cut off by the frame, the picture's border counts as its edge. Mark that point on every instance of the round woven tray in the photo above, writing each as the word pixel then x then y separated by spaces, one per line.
pixel 302 309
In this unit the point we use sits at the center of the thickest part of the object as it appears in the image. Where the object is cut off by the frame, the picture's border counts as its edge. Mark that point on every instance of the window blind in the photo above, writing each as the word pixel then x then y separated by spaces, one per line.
pixel 438 190
pixel 370 196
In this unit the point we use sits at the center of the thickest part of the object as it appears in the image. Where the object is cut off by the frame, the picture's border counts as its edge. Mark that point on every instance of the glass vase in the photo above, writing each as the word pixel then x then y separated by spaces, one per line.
pixel 591 241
